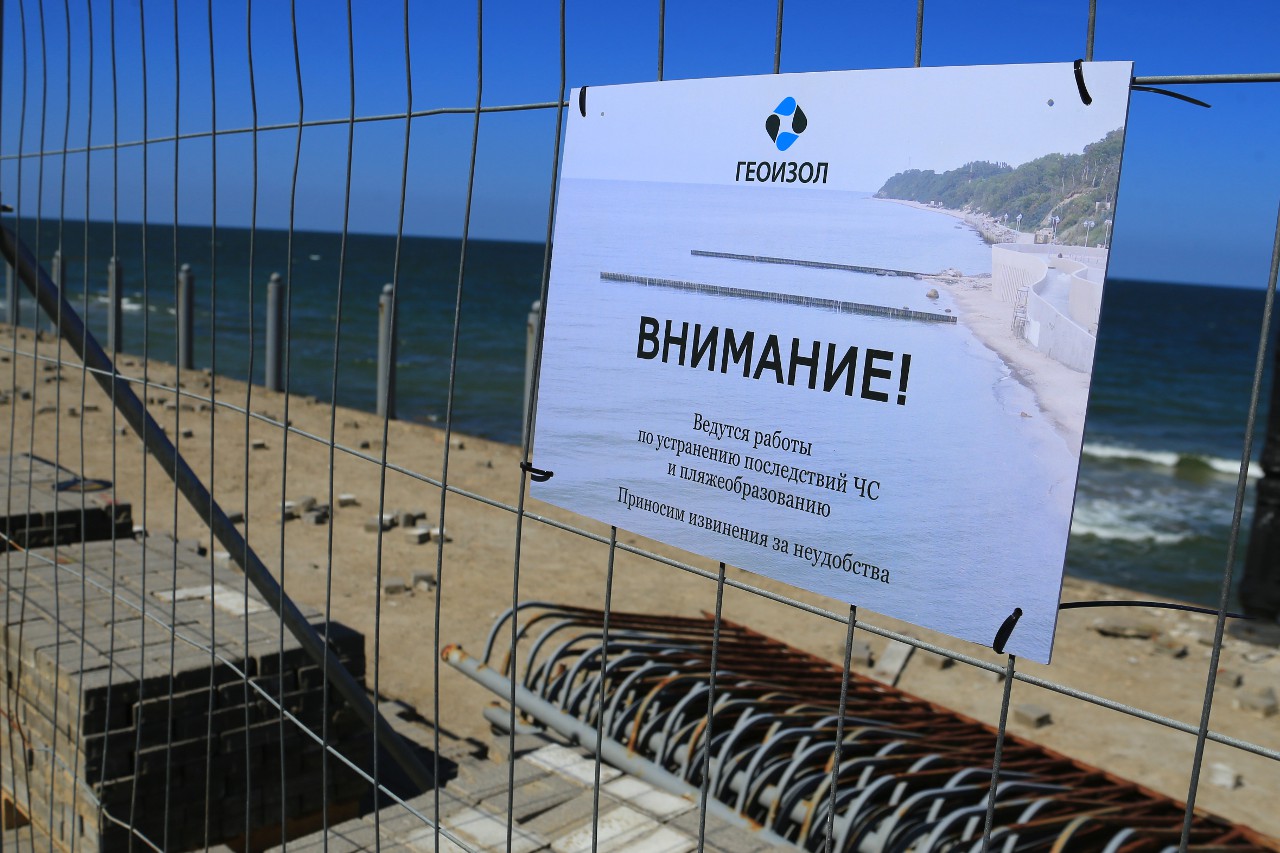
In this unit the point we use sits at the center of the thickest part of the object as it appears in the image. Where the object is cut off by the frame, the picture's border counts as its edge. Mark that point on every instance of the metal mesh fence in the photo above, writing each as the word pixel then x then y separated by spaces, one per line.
pixel 229 585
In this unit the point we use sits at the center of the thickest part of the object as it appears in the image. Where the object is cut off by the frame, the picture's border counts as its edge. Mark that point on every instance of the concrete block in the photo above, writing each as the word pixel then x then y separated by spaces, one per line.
pixel 316 516
pixel 662 840
pixel 570 815
pixel 235 517
pixel 438 533
pixel 534 798
pixel 892 662
pixel 641 795
pixel 394 586
pixel 618 827
pixel 304 503
pixel 1229 678
pixel 1261 701
pixel 406 519
pixel 1224 776
pixel 480 781
pixel 1125 629
pixel 426 581
pixel 188 433
pixel 1169 647
pixel 860 654
pixel 486 831
pixel 417 535
pixel 571 763
pixel 934 661
pixel 377 523
pixel 258 444
pixel 1032 715
pixel 347 499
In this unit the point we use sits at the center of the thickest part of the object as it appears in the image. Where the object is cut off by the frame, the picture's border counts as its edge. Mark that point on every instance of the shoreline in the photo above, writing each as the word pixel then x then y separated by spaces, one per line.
pixel 990 320
pixel 990 230
pixel 1053 384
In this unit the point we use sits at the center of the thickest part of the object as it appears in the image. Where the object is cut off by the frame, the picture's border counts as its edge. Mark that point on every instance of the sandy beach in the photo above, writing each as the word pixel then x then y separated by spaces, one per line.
pixel 254 465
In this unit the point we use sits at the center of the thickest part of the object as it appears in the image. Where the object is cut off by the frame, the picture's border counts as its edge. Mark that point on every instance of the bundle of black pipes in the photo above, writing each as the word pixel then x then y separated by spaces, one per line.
pixel 913 776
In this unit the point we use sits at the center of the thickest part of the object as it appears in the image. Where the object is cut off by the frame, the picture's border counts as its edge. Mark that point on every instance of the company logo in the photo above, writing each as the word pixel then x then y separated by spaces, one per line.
pixel 786 123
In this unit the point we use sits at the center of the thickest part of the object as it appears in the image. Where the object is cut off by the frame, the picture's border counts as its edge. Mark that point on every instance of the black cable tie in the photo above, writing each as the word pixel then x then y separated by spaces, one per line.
pixel 1084 91
pixel 1002 636
pixel 582 101
pixel 536 474
pixel 1190 608
pixel 1181 97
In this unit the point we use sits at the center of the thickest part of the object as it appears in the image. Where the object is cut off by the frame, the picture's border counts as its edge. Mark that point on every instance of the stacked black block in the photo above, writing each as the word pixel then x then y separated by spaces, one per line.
pixel 50 505
pixel 120 724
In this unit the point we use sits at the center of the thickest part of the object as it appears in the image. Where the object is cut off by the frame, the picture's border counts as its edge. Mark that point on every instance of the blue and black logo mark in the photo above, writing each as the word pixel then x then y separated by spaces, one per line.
pixel 787 113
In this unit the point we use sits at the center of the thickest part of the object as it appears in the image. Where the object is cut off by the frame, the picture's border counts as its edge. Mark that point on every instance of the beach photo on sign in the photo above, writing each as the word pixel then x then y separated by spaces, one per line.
pixel 855 358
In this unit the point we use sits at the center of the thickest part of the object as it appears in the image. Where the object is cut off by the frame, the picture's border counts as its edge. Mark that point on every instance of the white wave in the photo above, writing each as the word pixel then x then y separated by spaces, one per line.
pixel 1231 466
pixel 1168 458
pixel 1130 521
pixel 1128 533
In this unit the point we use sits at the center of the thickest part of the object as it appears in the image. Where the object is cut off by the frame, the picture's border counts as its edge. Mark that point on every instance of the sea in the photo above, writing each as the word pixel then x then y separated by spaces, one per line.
pixel 1163 438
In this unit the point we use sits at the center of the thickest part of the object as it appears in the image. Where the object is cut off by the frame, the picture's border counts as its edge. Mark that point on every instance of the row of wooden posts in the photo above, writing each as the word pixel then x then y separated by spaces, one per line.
pixel 273 368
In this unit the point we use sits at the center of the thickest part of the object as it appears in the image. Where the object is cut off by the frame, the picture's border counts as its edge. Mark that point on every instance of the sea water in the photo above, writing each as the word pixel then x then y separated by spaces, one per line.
pixel 1167 408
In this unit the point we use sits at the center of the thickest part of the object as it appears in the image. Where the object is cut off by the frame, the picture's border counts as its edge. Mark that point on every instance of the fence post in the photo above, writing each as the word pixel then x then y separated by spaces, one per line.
pixel 275 333
pixel 115 310
pixel 59 276
pixel 530 342
pixel 186 317
pixel 11 296
pixel 386 354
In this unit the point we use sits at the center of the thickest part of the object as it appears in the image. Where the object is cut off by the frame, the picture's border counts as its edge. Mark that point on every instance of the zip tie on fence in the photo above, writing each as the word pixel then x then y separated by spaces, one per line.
pixel 536 474
pixel 1190 608
pixel 1002 635
pixel 1134 87
pixel 1084 90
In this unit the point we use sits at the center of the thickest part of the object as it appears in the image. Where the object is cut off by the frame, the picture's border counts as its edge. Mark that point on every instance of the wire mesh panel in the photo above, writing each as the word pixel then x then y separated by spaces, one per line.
pixel 271 574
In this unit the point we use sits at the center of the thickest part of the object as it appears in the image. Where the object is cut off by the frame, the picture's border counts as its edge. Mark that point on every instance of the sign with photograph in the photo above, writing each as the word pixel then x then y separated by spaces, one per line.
pixel 837 328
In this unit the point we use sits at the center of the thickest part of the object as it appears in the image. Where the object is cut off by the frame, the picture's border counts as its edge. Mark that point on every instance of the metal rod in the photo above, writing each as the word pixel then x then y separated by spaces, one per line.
pixel 158 445
pixel 1174 79
pixel 613 752
pixel 507 108
pixel 919 32
pixel 1091 30
pixel 287 125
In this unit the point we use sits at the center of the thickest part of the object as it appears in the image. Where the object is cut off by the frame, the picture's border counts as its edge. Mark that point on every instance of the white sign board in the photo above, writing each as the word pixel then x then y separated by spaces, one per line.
pixel 751 356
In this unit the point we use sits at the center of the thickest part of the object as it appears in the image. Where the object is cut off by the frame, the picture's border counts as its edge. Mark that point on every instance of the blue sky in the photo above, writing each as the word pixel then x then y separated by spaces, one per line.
pixel 1198 196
